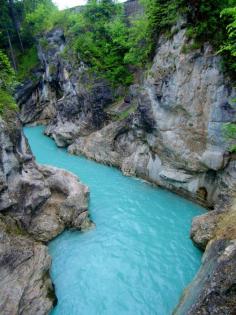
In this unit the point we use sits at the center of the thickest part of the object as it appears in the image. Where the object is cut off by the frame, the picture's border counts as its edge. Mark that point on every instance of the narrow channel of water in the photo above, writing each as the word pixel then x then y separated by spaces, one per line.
pixel 138 259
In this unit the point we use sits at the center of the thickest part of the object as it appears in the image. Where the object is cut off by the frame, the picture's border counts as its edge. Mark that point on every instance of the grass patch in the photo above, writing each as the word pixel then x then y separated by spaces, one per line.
pixel 226 227
pixel 125 114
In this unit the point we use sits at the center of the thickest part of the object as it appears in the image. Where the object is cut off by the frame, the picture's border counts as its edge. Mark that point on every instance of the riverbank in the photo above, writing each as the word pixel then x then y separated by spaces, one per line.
pixel 139 246
pixel 36 204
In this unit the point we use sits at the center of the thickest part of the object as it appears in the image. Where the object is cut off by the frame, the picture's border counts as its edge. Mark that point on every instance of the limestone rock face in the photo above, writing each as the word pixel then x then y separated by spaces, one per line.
pixel 203 228
pixel 213 289
pixel 24 272
pixel 36 204
pixel 167 130
pixel 65 93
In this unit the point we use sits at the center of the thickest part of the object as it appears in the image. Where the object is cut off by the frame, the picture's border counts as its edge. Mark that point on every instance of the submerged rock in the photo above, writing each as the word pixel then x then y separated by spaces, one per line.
pixel 36 204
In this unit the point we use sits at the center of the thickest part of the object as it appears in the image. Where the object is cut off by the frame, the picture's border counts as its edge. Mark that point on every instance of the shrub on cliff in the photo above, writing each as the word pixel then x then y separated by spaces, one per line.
pixel 229 130
pixel 7 84
pixel 228 47
pixel 100 37
pixel 158 16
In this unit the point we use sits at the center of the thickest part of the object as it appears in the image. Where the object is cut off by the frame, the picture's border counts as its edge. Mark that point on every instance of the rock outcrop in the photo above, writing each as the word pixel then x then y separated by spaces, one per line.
pixel 213 289
pixel 70 101
pixel 167 130
pixel 36 204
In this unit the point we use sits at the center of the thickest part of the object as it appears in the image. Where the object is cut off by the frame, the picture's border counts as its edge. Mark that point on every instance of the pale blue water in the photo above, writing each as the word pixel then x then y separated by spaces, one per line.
pixel 137 260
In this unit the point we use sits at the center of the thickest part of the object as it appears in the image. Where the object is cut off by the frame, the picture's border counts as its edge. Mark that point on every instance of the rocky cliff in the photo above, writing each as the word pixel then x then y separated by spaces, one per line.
pixel 167 129
pixel 213 289
pixel 36 204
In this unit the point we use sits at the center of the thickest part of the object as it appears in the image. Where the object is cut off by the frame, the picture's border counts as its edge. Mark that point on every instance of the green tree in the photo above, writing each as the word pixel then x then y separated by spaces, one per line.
pixel 228 48
pixel 7 84
pixel 40 19
pixel 158 16
pixel 101 40
pixel 203 19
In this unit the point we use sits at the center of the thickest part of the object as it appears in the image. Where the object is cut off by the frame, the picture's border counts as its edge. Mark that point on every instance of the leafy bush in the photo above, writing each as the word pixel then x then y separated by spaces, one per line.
pixel 27 62
pixel 41 19
pixel 203 19
pixel 7 84
pixel 7 74
pixel 228 48
pixel 229 130
pixel 159 16
pixel 99 35
pixel 7 102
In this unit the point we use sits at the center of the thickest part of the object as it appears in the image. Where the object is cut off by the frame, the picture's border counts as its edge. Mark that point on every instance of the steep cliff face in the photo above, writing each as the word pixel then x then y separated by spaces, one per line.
pixel 213 289
pixel 36 204
pixel 167 130
pixel 65 93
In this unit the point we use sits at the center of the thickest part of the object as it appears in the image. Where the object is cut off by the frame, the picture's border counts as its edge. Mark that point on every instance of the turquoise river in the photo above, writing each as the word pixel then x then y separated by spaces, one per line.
pixel 139 257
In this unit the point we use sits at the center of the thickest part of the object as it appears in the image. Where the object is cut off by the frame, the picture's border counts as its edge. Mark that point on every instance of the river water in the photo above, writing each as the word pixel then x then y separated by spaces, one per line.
pixel 139 257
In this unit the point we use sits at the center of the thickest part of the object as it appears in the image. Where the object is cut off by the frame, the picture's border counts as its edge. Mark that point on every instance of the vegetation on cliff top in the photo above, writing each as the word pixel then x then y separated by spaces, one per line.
pixel 102 36
pixel 105 40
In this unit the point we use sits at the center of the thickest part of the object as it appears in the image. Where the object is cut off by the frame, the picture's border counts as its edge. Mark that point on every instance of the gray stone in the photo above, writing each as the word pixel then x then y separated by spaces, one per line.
pixel 36 204
pixel 213 289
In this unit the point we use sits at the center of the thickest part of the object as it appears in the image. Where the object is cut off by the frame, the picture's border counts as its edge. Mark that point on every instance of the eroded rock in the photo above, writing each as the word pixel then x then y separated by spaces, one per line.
pixel 213 289
pixel 36 204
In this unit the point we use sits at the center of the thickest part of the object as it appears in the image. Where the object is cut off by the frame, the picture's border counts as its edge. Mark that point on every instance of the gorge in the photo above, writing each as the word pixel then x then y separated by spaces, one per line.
pixel 138 259
pixel 168 118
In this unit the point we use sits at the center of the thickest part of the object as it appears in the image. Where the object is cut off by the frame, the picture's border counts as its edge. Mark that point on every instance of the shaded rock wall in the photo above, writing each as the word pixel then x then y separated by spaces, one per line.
pixel 213 289
pixel 64 94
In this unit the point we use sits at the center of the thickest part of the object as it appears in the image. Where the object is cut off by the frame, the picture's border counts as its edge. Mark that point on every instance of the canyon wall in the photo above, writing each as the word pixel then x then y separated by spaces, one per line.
pixel 36 204
pixel 166 128
pixel 213 289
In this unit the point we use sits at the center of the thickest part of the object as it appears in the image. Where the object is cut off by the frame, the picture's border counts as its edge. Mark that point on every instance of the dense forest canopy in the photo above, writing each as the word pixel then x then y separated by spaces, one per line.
pixel 102 37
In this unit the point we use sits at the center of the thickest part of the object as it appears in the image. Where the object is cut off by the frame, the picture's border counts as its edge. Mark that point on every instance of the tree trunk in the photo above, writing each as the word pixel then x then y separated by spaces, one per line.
pixel 11 51
pixel 15 23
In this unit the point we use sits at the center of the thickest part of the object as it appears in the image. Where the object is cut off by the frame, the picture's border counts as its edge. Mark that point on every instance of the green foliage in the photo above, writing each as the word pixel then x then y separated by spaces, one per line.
pixel 7 74
pixel 229 130
pixel 7 84
pixel 228 48
pixel 40 19
pixel 27 62
pixel 7 103
pixel 203 19
pixel 100 38
pixel 158 16
pixel 125 114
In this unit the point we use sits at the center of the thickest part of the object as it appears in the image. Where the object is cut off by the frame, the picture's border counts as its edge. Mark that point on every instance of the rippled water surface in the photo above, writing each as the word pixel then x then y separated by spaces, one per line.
pixel 137 260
